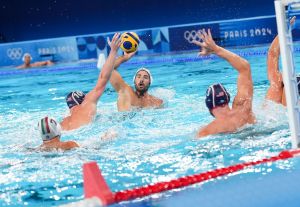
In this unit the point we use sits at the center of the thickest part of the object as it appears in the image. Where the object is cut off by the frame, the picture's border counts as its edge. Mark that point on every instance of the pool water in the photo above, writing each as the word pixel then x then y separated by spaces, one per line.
pixel 151 145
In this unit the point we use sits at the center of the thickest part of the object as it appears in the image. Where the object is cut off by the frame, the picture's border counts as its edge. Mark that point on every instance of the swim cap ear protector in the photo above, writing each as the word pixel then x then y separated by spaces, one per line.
pixel 144 69
pixel 49 128
pixel 26 54
pixel 216 95
pixel 75 98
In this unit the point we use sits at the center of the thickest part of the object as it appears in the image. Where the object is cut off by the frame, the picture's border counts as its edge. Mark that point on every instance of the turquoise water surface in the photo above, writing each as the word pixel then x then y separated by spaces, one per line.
pixel 150 145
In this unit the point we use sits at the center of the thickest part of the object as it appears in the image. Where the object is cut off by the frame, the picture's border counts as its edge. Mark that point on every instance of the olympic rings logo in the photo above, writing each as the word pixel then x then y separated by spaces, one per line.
pixel 190 36
pixel 14 53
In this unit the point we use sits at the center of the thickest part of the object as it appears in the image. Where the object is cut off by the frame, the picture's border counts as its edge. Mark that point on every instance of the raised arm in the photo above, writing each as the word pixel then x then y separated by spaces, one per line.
pixel 275 90
pixel 105 73
pixel 244 83
pixel 116 80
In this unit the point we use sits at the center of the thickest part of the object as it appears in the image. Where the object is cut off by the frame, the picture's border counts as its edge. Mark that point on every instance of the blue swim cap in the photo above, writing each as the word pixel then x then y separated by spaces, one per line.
pixel 216 95
pixel 75 98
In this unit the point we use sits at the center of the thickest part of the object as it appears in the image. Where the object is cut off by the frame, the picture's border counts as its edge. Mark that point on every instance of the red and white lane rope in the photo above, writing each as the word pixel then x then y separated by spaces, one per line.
pixel 95 185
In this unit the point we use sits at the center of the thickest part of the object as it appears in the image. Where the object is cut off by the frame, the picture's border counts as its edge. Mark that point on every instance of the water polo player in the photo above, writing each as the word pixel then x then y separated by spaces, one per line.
pixel 217 98
pixel 83 107
pixel 27 62
pixel 129 98
pixel 276 91
pixel 50 132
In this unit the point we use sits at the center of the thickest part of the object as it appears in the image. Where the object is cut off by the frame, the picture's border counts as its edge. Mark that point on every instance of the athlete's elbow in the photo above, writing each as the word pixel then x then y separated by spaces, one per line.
pixel 246 66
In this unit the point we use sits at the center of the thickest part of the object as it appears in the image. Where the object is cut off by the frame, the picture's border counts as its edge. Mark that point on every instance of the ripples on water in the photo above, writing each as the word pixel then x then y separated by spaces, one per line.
pixel 145 147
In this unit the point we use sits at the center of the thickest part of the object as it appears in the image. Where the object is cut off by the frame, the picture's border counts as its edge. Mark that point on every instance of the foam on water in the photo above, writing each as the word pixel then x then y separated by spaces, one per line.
pixel 132 148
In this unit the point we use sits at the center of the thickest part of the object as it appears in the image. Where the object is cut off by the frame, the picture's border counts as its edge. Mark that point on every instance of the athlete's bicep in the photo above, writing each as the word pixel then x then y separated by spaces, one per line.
pixel 244 85
pixel 274 92
pixel 273 61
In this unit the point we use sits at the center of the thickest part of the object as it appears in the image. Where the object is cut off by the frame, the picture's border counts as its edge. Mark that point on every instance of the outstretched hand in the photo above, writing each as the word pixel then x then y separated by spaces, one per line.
pixel 207 43
pixel 115 43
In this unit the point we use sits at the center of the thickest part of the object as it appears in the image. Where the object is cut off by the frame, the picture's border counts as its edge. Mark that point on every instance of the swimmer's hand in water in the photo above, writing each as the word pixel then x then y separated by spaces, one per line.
pixel 207 43
pixel 115 43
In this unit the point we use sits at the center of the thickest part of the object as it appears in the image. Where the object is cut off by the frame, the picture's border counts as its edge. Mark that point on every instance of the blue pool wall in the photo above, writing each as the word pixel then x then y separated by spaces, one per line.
pixel 177 38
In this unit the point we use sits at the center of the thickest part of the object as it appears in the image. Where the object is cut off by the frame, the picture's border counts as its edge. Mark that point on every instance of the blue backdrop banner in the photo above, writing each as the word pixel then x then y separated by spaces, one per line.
pixel 248 32
pixel 181 37
pixel 229 33
pixel 61 49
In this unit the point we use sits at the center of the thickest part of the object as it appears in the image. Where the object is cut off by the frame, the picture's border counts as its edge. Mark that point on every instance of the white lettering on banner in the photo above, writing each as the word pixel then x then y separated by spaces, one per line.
pixel 255 32
pixel 55 50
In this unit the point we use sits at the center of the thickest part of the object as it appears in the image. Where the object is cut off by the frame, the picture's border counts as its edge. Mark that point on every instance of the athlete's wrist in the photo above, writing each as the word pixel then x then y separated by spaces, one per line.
pixel 217 50
pixel 124 58
pixel 113 52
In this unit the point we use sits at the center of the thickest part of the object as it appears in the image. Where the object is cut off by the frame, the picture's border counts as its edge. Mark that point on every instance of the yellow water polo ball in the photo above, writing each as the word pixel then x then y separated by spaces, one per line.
pixel 130 42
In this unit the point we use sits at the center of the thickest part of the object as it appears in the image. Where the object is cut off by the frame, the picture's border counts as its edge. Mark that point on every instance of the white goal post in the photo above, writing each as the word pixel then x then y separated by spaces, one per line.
pixel 289 73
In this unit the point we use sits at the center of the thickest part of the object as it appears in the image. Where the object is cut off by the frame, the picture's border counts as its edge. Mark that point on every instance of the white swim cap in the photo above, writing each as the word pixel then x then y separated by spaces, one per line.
pixel 26 54
pixel 144 69
pixel 49 128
